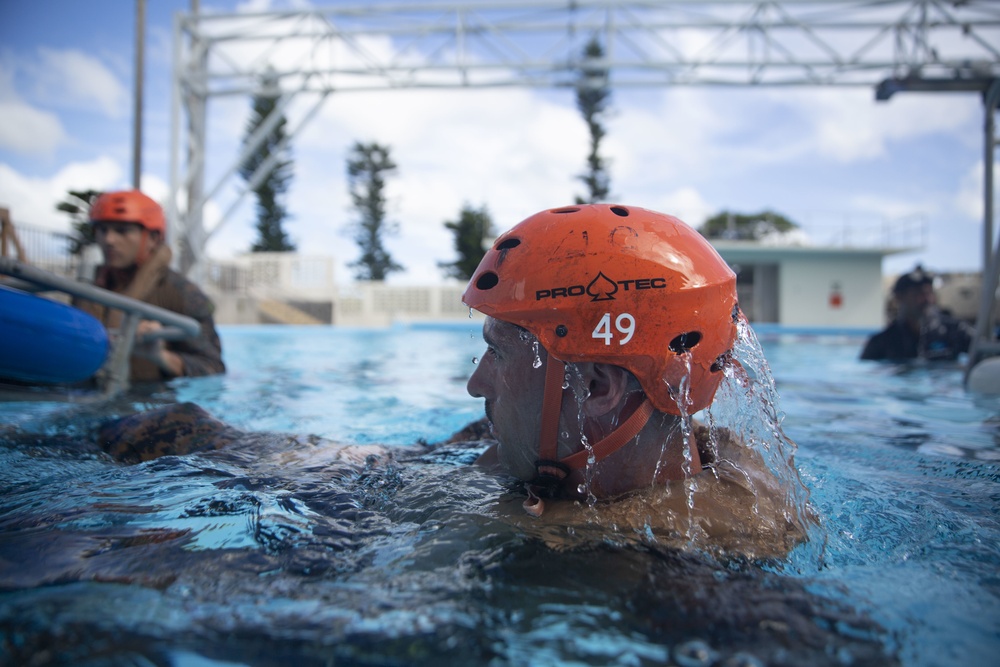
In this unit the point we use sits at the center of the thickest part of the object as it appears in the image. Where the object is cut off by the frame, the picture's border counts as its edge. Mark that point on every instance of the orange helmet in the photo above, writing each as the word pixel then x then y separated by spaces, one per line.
pixel 618 285
pixel 129 206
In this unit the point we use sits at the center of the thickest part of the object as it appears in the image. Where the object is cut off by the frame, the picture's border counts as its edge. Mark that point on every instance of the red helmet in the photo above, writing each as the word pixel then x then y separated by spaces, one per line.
pixel 618 285
pixel 129 206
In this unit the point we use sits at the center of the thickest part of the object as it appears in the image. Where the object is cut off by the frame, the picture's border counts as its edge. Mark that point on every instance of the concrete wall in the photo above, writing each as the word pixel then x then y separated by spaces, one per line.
pixel 809 285
pixel 378 304
pixel 233 308
pixel 816 287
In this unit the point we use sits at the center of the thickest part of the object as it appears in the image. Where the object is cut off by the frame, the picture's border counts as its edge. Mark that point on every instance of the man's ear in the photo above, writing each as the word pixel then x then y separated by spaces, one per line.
pixel 608 386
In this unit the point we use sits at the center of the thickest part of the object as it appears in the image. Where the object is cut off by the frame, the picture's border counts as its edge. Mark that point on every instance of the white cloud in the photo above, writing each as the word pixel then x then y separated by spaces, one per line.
pixel 685 203
pixel 511 150
pixel 251 6
pixel 969 198
pixel 28 130
pixel 32 201
pixel 665 142
pixel 892 208
pixel 25 129
pixel 68 77
pixel 850 127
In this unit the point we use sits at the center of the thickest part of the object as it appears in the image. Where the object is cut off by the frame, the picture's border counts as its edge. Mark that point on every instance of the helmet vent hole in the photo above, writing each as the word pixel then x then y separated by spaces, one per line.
pixel 507 244
pixel 620 211
pixel 488 280
pixel 566 210
pixel 721 361
pixel 685 341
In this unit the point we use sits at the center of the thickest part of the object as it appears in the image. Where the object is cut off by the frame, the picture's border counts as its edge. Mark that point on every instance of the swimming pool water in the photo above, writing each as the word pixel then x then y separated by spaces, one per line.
pixel 269 554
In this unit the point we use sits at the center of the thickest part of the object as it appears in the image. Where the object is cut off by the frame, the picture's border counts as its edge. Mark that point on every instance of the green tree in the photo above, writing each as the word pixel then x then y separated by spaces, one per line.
pixel 77 204
pixel 367 168
pixel 593 95
pixel 740 226
pixel 471 230
pixel 271 212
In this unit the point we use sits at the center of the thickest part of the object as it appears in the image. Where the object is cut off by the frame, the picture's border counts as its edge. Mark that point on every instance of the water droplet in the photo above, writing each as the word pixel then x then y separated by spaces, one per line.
pixel 581 489
pixel 694 653
pixel 538 357
pixel 742 659
pixel 470 313
pixel 475 360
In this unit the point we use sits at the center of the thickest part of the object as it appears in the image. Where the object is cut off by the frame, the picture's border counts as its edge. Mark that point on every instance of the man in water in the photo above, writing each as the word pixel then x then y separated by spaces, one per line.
pixel 607 328
pixel 130 229
pixel 920 330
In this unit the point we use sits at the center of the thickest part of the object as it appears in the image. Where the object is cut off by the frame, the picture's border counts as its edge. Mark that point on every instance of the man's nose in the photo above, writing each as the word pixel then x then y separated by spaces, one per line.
pixel 477 385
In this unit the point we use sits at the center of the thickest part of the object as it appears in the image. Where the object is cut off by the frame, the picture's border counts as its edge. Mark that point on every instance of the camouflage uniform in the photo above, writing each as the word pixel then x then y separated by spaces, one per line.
pixel 202 355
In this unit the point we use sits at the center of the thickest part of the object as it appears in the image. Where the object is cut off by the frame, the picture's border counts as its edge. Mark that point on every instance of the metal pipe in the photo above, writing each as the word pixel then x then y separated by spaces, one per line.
pixel 185 326
pixel 984 344
pixel 175 230
pixel 140 30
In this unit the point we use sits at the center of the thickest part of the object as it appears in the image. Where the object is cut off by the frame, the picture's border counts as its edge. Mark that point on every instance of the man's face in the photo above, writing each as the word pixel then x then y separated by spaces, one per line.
pixel 914 301
pixel 508 379
pixel 120 242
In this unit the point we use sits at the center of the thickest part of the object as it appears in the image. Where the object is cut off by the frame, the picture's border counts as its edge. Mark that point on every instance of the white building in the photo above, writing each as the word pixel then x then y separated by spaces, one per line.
pixel 808 286
pixel 792 286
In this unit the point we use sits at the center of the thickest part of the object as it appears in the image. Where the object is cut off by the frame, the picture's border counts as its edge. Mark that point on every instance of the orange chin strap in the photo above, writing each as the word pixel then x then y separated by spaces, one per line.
pixel 551 470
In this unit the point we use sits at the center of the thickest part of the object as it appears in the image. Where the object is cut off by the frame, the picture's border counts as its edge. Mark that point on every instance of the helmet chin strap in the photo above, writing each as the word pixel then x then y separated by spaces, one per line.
pixel 550 470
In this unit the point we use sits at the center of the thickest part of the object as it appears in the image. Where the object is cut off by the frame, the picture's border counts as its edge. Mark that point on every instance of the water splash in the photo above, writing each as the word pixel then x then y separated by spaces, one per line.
pixel 746 405
pixel 682 397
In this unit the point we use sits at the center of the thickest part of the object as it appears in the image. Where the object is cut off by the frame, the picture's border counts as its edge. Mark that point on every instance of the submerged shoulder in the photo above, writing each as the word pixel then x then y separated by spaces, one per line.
pixel 709 513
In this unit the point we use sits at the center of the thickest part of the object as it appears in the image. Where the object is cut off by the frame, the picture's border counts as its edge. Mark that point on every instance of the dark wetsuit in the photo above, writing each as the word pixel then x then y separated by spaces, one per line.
pixel 942 338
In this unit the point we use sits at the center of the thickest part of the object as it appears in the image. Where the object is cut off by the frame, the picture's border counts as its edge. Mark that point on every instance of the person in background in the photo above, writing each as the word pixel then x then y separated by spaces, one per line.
pixel 607 327
pixel 920 329
pixel 130 228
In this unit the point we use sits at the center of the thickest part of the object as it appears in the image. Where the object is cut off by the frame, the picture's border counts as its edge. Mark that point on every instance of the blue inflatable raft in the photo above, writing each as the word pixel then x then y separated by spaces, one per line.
pixel 47 342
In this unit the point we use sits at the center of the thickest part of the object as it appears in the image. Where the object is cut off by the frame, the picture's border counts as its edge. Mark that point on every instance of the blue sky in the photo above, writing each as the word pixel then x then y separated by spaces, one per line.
pixel 827 158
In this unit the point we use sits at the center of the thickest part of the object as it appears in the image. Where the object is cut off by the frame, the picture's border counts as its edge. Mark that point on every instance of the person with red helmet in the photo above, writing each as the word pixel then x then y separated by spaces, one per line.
pixel 607 328
pixel 130 229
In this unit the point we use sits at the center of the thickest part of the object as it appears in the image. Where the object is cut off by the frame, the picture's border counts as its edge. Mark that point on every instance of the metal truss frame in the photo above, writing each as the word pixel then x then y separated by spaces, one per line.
pixel 893 45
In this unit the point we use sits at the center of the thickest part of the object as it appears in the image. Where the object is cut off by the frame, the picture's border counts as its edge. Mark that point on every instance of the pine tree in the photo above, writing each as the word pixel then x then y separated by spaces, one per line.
pixel 743 226
pixel 271 213
pixel 471 231
pixel 593 94
pixel 77 204
pixel 367 167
